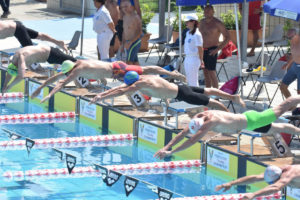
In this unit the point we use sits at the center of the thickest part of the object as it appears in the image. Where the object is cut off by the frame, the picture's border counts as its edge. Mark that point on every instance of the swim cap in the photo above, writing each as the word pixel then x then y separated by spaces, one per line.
pixel 195 125
pixel 66 66
pixel 272 174
pixel 12 69
pixel 131 77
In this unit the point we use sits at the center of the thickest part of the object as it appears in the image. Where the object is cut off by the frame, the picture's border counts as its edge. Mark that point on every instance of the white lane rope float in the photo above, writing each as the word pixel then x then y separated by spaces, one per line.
pixel 38 118
pixel 14 97
pixel 230 197
pixel 186 166
pixel 71 142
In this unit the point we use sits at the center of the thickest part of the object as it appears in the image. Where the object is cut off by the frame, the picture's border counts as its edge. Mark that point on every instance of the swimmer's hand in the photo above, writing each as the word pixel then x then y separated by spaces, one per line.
pixel 45 99
pixel 248 196
pixel 162 153
pixel 62 45
pixel 225 186
pixel 35 94
pixel 96 98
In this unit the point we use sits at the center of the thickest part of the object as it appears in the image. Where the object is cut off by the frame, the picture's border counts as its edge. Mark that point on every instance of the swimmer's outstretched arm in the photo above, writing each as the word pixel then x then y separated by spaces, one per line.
pixel 60 43
pixel 60 85
pixel 114 92
pixel 241 181
pixel 20 76
pixel 162 153
pixel 270 189
pixel 49 81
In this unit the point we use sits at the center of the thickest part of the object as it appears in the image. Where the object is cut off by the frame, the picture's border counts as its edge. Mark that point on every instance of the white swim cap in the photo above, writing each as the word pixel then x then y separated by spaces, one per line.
pixel 272 174
pixel 195 125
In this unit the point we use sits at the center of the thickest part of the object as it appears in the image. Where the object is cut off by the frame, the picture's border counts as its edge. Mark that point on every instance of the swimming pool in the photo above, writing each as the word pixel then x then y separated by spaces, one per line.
pixel 194 183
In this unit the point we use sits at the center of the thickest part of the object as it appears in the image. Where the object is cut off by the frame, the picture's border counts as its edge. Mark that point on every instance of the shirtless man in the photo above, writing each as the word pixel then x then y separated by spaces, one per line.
pixel 132 25
pixel 24 35
pixel 211 28
pixel 224 122
pixel 289 175
pixel 93 69
pixel 25 57
pixel 293 65
pixel 158 87
pixel 113 8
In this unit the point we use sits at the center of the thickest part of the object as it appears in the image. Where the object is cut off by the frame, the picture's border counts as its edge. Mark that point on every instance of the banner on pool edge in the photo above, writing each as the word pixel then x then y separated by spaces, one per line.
pixel 71 162
pixel 130 184
pixel 29 144
pixel 103 171
pixel 112 177
pixel 164 194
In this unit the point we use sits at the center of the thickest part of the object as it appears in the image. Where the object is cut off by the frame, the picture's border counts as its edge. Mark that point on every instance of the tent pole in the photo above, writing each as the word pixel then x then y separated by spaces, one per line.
pixel 238 44
pixel 180 37
pixel 263 43
pixel 82 27
pixel 168 30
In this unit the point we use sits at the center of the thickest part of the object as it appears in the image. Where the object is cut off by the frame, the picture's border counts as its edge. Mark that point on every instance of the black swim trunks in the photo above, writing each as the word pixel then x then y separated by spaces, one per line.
pixel 56 56
pixel 24 35
pixel 210 62
pixel 119 29
pixel 192 95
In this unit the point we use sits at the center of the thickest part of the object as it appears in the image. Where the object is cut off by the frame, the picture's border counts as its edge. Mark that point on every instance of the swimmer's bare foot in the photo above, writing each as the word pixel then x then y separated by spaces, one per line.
pixel 239 100
pixel 180 76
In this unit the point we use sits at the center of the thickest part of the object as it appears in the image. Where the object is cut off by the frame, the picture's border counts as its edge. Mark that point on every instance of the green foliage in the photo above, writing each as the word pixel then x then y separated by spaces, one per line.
pixel 175 21
pixel 229 20
pixel 147 15
pixel 199 13
pixel 287 25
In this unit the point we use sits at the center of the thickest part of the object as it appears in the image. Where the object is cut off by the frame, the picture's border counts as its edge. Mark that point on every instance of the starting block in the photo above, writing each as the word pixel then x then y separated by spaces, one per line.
pixel 175 109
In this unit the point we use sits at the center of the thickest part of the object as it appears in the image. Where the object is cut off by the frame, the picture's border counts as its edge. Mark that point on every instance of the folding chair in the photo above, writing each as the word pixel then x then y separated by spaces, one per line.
pixel 275 36
pixel 160 40
pixel 231 87
pixel 74 42
pixel 275 77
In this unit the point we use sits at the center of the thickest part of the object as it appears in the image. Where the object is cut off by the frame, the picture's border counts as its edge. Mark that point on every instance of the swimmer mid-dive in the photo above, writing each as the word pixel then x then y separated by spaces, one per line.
pixel 156 86
pixel 95 69
pixel 224 122
pixel 277 177
pixel 25 57
pixel 24 35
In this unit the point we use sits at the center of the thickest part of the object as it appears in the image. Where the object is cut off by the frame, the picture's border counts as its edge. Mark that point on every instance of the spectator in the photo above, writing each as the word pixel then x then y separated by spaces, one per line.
pixel 5 8
pixel 293 65
pixel 254 23
pixel 113 8
pixel 131 41
pixel 211 28
pixel 193 49
pixel 104 27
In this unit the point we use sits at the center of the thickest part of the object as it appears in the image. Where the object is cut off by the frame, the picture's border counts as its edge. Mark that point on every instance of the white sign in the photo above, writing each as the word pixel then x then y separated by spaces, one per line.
pixel 218 159
pixel 32 87
pixel 83 81
pixel 293 192
pixel 148 132
pixel 285 14
pixel 138 98
pixel 87 110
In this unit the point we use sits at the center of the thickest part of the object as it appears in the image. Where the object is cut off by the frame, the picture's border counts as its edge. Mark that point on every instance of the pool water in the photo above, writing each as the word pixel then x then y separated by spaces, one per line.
pixel 88 188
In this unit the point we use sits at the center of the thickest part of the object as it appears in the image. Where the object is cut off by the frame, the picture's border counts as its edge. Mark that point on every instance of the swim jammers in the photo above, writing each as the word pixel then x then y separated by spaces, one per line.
pixel 210 61
pixel 260 121
pixel 120 68
pixel 24 35
pixel 132 52
pixel 192 95
pixel 56 56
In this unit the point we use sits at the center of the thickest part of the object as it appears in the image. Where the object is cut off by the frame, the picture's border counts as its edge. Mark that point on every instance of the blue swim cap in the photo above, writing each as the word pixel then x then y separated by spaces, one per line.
pixel 131 77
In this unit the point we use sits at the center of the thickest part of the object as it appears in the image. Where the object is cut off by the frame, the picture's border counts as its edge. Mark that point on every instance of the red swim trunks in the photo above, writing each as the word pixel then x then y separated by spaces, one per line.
pixel 120 68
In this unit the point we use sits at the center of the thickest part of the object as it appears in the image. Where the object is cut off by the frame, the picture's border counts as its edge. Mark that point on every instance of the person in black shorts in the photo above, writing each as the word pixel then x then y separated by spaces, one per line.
pixel 155 86
pixel 25 35
pixel 25 57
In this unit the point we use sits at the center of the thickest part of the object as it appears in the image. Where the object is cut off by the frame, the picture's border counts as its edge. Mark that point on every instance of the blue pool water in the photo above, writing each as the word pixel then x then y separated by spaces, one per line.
pixel 87 188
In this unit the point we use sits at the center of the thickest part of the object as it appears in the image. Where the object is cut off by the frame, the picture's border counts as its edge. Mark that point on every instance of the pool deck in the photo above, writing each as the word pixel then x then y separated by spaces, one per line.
pixel 33 10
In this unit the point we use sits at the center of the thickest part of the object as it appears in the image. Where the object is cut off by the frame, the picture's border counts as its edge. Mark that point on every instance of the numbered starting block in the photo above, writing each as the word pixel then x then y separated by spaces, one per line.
pixel 274 142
